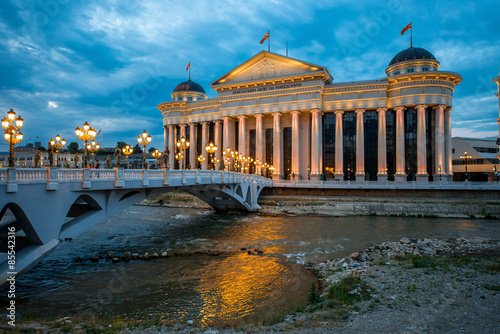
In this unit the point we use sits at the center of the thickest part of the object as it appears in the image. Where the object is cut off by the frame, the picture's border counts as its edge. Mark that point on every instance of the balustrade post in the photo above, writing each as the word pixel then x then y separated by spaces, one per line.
pixel 86 179
pixel 119 177
pixel 211 176
pixel 145 177
pixel 52 181
pixel 197 180
pixel 166 176
pixel 11 180
pixel 183 180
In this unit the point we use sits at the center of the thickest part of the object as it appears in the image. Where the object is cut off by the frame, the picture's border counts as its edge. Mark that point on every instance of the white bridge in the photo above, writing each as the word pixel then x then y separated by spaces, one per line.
pixel 46 205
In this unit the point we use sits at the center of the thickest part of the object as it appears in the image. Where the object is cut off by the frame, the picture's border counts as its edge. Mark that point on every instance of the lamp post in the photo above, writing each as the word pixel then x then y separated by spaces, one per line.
pixel 494 173
pixel 211 148
pixel 144 139
pixel 127 150
pixel 265 167
pixel 439 171
pixel 93 147
pixel 12 135
pixel 201 158
pixel 179 156
pixel 466 158
pixel 271 168
pixel 156 154
pixel 182 144
pixel 57 144
pixel 85 133
pixel 227 154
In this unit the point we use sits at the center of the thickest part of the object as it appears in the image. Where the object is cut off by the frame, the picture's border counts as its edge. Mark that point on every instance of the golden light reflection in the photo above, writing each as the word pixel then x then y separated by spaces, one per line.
pixel 244 284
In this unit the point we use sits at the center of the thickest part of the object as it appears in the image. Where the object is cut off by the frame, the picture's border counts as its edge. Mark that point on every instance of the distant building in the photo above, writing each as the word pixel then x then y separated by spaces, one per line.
pixel 497 80
pixel 24 156
pixel 483 162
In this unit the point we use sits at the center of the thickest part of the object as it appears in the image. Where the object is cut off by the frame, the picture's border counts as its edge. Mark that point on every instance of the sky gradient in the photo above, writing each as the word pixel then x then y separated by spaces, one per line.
pixel 110 63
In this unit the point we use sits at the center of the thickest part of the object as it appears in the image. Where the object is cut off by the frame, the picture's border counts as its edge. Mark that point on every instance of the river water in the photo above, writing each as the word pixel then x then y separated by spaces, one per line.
pixel 207 289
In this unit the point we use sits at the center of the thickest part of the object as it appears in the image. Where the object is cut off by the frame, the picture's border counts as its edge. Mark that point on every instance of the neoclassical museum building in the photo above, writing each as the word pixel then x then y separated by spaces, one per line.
pixel 291 114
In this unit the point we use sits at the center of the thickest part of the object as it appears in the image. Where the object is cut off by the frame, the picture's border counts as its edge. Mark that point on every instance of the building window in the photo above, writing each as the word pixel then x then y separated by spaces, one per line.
pixel 425 69
pixel 452 150
pixel 349 136
pixel 189 98
pixel 287 153
pixel 269 146
pixel 410 70
pixel 370 121
pixel 396 73
pixel 329 145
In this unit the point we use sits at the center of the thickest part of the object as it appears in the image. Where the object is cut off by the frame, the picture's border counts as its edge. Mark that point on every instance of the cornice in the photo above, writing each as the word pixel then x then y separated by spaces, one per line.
pixel 309 89
pixel 421 83
pixel 356 88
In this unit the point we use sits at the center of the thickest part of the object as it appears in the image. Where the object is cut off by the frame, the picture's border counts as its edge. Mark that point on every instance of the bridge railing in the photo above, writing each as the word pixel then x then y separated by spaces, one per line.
pixel 53 175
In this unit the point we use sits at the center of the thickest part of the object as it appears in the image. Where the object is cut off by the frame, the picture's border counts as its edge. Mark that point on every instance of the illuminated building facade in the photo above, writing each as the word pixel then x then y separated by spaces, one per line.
pixel 292 115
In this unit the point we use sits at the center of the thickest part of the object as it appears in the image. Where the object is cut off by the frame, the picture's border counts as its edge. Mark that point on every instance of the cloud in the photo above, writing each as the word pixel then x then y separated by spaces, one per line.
pixel 53 104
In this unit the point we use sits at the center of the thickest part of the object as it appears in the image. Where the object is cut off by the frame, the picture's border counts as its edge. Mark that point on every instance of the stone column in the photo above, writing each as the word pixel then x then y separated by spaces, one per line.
pixel 277 147
pixel 296 153
pixel 218 143
pixel 192 146
pixel 165 137
pixel 439 167
pixel 183 163
pixel 447 144
pixel 183 130
pixel 204 142
pixel 339 145
pixel 227 133
pixel 382 145
pixel 171 146
pixel 400 145
pixel 422 175
pixel 260 141
pixel 360 146
pixel 242 135
pixel 316 145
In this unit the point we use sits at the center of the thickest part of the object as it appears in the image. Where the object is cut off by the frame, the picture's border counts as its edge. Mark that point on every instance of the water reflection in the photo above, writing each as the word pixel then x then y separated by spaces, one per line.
pixel 208 288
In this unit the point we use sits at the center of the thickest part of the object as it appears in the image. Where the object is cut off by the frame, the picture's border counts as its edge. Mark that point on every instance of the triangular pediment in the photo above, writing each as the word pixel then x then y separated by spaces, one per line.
pixel 267 65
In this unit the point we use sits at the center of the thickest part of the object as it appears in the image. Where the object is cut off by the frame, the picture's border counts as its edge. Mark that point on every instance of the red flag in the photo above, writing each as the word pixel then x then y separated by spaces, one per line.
pixel 408 27
pixel 187 67
pixel 265 37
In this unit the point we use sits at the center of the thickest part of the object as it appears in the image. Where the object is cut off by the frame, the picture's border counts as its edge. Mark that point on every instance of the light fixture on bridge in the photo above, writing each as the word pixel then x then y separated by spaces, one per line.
pixel 12 135
pixel 144 139
pixel 466 158
pixel 93 147
pixel 57 144
pixel 85 133
pixel 156 154
pixel 201 158
pixel 127 150
pixel 182 145
pixel 211 148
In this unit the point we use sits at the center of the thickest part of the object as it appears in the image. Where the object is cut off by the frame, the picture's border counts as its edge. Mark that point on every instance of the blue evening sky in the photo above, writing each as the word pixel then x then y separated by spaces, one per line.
pixel 64 62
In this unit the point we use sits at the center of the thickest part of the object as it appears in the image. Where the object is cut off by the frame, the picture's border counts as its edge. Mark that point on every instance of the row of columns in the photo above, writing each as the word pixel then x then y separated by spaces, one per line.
pixel 443 150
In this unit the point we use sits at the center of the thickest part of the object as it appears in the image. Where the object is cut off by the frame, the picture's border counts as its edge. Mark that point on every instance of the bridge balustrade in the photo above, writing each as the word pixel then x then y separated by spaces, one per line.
pixel 31 175
pixel 70 174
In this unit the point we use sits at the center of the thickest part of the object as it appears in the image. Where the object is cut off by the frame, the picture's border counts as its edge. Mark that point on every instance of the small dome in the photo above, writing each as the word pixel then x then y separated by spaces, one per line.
pixel 411 54
pixel 25 149
pixel 189 86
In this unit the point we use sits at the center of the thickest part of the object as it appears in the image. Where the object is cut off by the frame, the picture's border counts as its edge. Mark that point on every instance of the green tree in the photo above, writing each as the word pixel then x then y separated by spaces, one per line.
pixel 151 150
pixel 73 147
pixel 121 144
pixel 137 149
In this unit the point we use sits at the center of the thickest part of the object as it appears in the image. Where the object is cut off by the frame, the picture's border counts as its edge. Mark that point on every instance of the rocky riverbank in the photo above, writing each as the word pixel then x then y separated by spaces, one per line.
pixel 409 286
pixel 348 206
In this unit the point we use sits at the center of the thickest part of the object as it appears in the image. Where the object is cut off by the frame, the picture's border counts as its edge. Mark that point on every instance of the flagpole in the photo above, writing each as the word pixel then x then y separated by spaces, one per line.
pixel 287 48
pixel 411 35
pixel 190 70
pixel 269 41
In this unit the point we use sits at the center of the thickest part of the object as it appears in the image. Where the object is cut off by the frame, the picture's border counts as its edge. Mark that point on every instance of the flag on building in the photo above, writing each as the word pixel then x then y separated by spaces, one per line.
pixel 189 65
pixel 408 27
pixel 265 37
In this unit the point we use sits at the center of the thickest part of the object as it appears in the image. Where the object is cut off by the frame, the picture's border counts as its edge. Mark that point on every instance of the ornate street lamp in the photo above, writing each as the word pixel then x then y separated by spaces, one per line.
pixel 57 144
pixel 201 158
pixel 227 154
pixel 211 148
pixel 265 167
pixel 86 133
pixel 271 168
pixel 144 139
pixel 179 156
pixel 127 150
pixel 93 147
pixel 12 135
pixel 182 145
pixel 156 154
pixel 439 171
pixel 466 157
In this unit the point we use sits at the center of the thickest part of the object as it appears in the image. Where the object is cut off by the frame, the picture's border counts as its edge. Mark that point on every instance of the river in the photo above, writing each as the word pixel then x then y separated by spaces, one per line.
pixel 207 289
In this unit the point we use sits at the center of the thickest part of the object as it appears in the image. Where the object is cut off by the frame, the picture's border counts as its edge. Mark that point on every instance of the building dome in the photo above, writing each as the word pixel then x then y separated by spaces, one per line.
pixel 189 86
pixel 412 54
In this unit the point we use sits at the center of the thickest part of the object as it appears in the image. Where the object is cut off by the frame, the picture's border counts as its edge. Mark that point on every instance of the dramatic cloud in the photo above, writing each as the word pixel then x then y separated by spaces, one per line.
pixel 110 63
